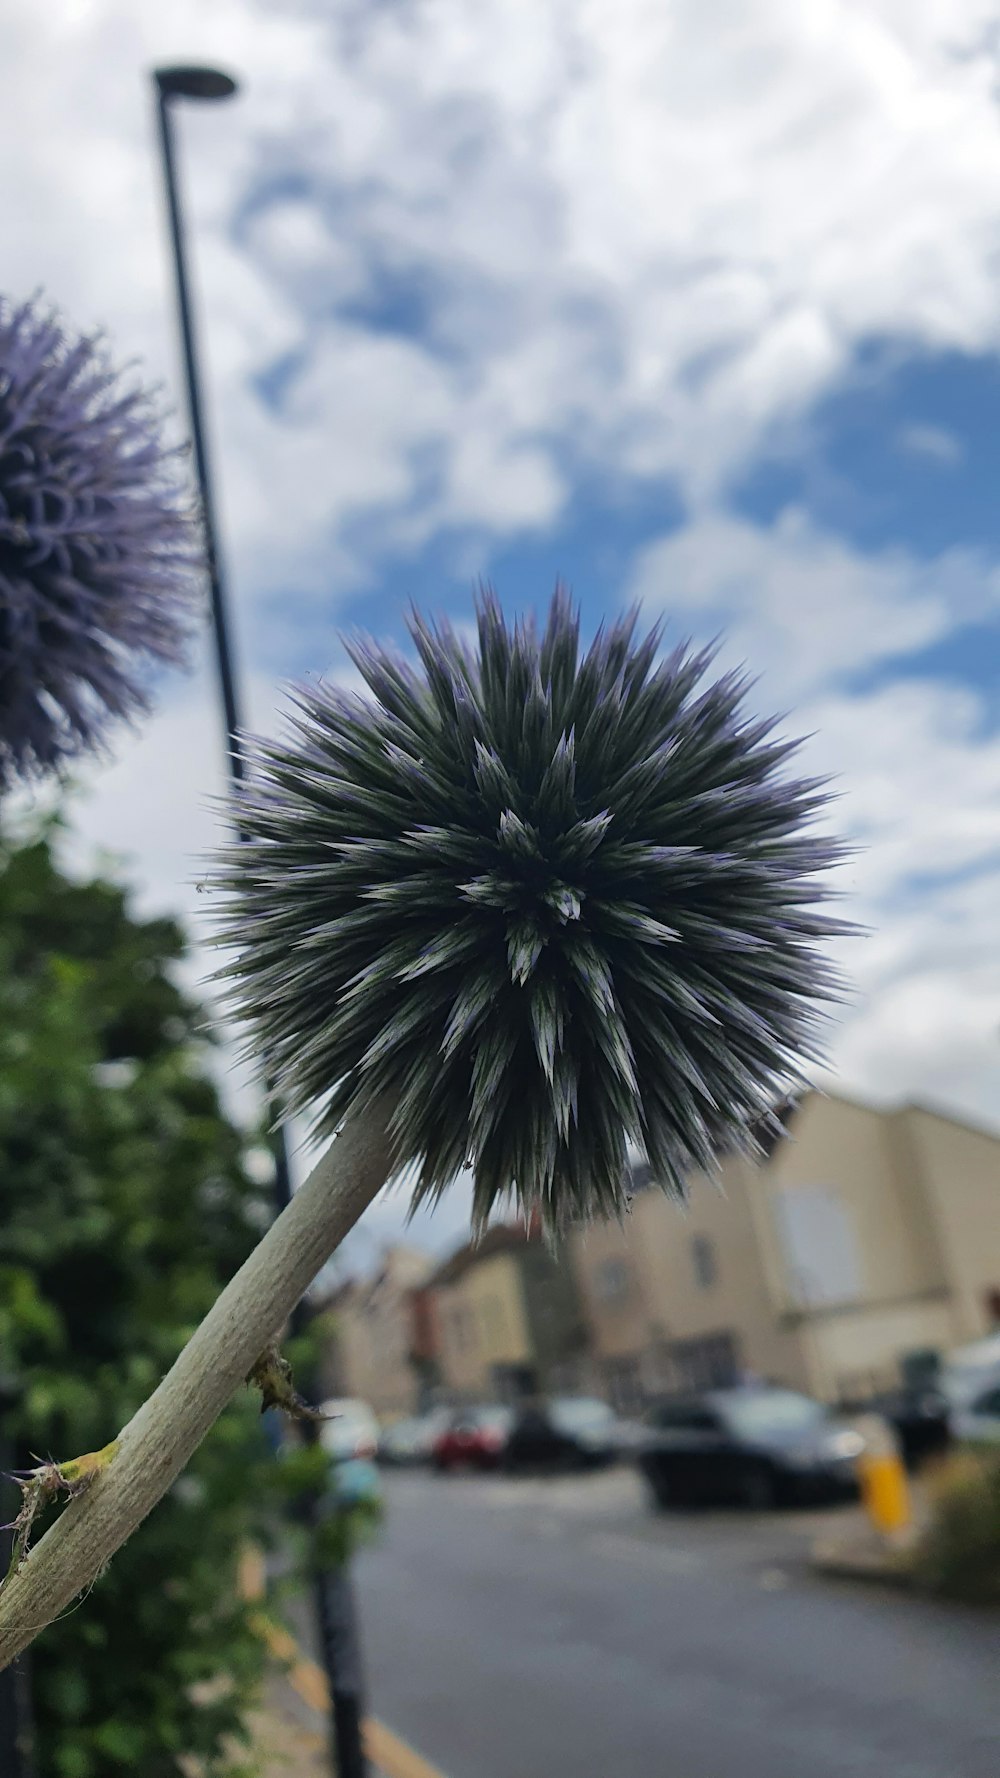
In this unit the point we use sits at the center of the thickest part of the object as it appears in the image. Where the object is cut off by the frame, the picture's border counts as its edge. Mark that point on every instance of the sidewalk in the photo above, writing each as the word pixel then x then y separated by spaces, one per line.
pixel 290 1729
pixel 855 1550
pixel 284 1748
pixel 863 1557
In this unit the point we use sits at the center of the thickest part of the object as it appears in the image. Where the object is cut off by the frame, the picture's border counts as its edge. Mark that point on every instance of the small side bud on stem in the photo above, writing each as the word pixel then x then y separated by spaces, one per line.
pixel 272 1375
pixel 39 1487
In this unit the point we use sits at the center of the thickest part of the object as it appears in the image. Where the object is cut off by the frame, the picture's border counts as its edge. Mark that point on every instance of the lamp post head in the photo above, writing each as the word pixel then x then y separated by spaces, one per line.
pixel 194 83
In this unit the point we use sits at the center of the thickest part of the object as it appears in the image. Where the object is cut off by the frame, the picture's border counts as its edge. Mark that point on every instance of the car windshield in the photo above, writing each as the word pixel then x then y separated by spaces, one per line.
pixel 488 1419
pixel 572 1414
pixel 772 1413
pixel 353 1420
pixel 436 1421
pixel 964 1376
pixel 348 1420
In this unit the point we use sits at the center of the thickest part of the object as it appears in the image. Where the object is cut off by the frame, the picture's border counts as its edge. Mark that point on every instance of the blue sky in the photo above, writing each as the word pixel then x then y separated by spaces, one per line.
pixel 693 305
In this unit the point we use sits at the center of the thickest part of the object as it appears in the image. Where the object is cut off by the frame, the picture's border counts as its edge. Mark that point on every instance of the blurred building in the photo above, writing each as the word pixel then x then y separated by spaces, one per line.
pixel 864 1240
pixel 381 1345
pixel 509 1318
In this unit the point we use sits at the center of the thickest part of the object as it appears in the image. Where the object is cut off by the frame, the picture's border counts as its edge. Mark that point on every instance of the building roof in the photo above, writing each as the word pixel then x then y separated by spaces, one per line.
pixel 503 1237
pixel 976 1126
pixel 767 1133
pixel 899 1108
pixel 515 1237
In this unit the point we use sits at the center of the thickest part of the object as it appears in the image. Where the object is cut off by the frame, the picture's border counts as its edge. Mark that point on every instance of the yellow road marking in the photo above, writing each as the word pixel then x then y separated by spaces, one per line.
pixel 392 1756
pixel 251 1574
pixel 385 1750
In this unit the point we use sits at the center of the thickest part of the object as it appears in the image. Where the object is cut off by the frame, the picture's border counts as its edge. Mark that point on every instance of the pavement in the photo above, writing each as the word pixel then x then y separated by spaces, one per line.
pixel 282 1747
pixel 289 1731
pixel 561 1629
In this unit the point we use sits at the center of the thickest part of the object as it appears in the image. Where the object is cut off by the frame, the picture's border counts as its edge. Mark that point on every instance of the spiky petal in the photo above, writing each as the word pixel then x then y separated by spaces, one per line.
pixel 99 556
pixel 547 902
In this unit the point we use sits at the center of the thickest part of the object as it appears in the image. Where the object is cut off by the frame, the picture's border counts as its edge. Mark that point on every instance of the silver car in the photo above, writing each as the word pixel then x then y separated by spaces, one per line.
pixel 969 1381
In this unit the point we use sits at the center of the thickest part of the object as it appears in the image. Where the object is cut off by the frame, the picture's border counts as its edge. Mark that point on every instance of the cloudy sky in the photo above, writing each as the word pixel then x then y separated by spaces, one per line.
pixel 690 301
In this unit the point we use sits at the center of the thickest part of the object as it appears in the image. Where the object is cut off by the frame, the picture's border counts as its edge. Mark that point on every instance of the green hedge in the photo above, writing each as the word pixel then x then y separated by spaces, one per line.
pixel 958 1556
pixel 126 1201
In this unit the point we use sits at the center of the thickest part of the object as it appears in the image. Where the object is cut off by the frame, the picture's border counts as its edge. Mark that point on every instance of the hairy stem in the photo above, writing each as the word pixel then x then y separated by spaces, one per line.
pixel 160 1438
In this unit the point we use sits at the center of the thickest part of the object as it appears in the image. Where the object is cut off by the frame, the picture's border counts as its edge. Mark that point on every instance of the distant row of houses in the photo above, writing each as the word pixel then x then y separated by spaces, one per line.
pixel 864 1241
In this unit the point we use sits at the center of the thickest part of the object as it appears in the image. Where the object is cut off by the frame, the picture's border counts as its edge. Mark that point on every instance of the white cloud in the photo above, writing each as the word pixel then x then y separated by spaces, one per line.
pixel 935 442
pixel 635 232
pixel 915 764
pixel 659 235
pixel 919 792
pixel 799 605
pixel 926 1023
pixel 920 784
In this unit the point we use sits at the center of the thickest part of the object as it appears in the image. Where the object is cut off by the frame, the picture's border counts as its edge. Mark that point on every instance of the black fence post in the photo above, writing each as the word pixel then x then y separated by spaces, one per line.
pixel 171 85
pixel 16 1730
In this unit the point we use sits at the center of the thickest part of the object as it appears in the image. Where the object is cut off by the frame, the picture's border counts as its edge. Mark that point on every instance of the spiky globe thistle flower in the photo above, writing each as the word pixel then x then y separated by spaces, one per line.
pixel 545 903
pixel 98 549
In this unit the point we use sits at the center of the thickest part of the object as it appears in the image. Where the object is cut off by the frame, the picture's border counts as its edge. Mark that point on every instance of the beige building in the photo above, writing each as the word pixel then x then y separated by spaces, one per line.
pixel 375 1349
pixel 508 1318
pixel 865 1239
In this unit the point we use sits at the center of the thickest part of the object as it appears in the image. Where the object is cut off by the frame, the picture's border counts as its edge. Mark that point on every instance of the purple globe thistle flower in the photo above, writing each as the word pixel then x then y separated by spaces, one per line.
pixel 99 552
pixel 541 903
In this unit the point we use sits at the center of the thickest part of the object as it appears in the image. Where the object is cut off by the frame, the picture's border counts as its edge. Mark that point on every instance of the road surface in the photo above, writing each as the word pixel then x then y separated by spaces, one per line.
pixel 559 1630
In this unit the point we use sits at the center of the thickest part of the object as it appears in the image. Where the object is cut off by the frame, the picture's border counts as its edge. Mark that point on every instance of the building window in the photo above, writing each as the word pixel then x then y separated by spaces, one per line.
pixel 703 1259
pixel 611 1281
pixel 820 1245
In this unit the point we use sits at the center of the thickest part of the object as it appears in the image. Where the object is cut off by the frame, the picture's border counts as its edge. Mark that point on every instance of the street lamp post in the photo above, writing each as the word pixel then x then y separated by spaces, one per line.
pixel 199 83
pixel 334 1598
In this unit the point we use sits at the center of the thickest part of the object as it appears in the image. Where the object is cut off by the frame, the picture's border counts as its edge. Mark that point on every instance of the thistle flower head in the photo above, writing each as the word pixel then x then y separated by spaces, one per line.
pixel 547 902
pixel 98 553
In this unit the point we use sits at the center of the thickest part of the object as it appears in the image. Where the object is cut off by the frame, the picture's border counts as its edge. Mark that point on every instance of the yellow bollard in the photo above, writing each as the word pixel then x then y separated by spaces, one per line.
pixel 885 1489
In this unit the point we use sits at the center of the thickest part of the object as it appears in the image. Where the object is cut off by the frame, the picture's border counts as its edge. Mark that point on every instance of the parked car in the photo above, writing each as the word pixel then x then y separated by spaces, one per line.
pixel 969 1380
pixel 348 1429
pixel 475 1438
pixel 569 1432
pixel 977 1422
pixel 921 1420
pixel 411 1441
pixel 969 1371
pixel 960 1403
pixel 757 1447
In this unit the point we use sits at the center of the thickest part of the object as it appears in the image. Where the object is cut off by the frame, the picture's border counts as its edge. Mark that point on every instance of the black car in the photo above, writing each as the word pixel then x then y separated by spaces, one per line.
pixel 568 1433
pixel 920 1419
pixel 756 1447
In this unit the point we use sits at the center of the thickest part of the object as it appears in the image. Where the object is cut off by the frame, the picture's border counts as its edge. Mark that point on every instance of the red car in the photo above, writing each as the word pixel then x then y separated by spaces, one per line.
pixel 476 1438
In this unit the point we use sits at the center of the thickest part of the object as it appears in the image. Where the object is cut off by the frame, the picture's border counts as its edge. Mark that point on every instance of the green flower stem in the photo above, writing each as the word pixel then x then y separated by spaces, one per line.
pixel 165 1432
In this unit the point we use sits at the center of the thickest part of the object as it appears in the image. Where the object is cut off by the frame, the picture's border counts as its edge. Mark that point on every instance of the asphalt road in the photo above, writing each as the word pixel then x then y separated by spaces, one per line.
pixel 560 1630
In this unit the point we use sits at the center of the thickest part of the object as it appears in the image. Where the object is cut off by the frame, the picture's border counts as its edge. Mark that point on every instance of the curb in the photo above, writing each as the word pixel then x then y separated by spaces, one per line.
pixel 385 1751
pixel 877 1566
